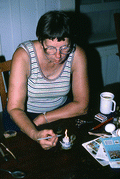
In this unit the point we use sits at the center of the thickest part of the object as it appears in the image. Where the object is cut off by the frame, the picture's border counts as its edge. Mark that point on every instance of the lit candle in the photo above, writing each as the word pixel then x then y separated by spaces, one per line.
pixel 66 138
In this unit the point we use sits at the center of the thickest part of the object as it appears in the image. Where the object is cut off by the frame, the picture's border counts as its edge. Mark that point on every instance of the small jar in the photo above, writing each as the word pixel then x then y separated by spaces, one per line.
pixel 116 120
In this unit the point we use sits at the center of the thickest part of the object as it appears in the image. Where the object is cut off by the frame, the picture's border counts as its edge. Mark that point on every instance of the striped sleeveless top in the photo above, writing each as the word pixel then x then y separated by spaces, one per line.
pixel 46 94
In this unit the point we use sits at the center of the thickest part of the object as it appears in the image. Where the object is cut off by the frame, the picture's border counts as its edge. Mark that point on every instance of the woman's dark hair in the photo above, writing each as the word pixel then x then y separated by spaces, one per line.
pixel 54 24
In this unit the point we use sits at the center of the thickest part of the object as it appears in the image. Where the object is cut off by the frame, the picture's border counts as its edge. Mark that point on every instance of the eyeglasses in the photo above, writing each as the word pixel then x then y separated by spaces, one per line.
pixel 50 50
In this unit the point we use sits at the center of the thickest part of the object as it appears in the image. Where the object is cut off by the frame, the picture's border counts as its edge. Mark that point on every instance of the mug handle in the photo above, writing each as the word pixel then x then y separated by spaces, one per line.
pixel 114 106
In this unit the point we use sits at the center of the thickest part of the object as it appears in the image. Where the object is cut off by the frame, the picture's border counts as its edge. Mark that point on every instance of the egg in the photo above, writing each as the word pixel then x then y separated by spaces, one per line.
pixel 118 132
pixel 110 127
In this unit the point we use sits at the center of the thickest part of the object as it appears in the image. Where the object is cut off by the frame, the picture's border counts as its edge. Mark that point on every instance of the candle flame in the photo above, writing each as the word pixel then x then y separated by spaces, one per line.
pixel 66 133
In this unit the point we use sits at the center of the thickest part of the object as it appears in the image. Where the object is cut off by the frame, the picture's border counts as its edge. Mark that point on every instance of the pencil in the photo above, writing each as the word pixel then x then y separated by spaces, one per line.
pixel 8 150
pixel 2 152
pixel 101 124
pixel 49 137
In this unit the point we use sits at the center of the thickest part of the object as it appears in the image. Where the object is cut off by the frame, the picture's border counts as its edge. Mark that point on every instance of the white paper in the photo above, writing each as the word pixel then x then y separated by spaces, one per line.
pixel 101 160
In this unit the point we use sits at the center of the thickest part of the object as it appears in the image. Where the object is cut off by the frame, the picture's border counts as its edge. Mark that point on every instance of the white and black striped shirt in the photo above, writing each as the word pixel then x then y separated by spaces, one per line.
pixel 46 94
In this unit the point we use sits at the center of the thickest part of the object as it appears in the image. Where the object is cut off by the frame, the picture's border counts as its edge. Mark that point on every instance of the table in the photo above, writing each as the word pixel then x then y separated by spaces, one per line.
pixel 56 163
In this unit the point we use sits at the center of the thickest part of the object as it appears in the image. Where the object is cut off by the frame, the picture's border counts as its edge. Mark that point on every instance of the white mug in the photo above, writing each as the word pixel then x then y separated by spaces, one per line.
pixel 107 104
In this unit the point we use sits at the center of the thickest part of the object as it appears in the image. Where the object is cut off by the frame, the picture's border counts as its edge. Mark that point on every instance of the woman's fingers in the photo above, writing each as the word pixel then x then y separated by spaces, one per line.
pixel 48 143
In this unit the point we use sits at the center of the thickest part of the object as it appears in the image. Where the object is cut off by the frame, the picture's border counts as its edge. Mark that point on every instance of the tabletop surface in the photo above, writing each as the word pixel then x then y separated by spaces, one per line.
pixel 55 163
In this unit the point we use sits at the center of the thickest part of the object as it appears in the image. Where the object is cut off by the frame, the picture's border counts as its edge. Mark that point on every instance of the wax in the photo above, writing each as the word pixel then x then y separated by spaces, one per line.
pixel 66 139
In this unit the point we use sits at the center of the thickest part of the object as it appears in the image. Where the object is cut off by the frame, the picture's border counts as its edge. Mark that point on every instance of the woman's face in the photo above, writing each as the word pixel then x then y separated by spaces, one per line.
pixel 56 51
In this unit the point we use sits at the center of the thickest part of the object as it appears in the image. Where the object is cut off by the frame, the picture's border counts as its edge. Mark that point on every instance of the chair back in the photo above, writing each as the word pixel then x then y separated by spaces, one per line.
pixel 4 69
pixel 117 27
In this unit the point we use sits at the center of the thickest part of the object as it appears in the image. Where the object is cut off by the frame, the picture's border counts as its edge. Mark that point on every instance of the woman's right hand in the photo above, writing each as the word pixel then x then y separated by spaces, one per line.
pixel 47 144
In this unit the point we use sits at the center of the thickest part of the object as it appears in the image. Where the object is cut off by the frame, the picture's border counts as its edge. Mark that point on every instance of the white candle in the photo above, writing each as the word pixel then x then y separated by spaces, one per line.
pixel 66 138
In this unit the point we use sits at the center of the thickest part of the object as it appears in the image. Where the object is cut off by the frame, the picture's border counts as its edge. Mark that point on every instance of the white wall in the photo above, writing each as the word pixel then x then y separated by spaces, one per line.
pixel 67 5
pixel 18 20
pixel 110 63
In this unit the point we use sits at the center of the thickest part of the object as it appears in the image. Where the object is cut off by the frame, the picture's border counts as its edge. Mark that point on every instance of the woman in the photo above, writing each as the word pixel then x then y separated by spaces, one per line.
pixel 41 72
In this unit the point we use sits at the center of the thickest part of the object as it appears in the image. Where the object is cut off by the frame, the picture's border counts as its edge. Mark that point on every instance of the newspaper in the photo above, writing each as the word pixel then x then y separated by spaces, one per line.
pixel 105 150
pixel 95 148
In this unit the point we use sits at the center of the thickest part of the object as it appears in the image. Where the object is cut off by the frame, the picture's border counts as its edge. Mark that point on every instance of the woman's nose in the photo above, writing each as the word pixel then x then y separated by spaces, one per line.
pixel 58 54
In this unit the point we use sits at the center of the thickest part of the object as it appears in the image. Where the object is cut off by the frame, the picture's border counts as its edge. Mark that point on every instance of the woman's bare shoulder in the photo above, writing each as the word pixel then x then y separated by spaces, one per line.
pixel 38 46
pixel 20 55
pixel 79 52
pixel 79 58
pixel 21 61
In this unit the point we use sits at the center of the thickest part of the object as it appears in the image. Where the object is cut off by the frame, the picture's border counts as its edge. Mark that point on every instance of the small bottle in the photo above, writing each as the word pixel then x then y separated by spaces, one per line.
pixel 116 120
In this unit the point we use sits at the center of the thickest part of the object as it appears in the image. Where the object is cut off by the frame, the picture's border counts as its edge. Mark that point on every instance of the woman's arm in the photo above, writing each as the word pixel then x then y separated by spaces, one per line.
pixel 80 89
pixel 17 91
pixel 17 96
